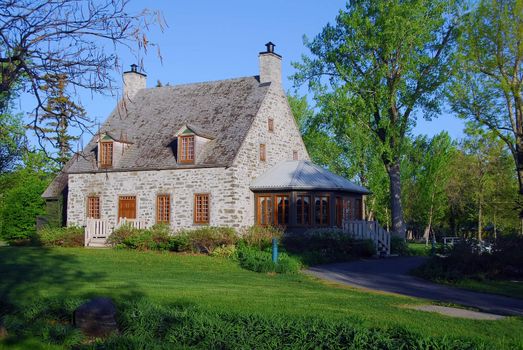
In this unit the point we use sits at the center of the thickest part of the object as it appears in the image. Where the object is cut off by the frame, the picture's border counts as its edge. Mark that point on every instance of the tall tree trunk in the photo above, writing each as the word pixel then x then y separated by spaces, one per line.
pixel 480 217
pixel 398 226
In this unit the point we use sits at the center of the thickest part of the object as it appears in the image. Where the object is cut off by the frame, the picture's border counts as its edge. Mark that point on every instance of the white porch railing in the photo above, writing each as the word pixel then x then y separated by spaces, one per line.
pixel 101 229
pixel 372 230
pixel 96 228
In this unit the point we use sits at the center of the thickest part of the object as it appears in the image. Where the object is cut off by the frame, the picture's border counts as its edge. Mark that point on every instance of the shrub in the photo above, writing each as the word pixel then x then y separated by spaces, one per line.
pixel 318 246
pixel 224 251
pixel 253 259
pixel 261 236
pixel 61 237
pixel 206 239
pixel 399 246
pixel 21 203
pixel 156 238
pixel 468 259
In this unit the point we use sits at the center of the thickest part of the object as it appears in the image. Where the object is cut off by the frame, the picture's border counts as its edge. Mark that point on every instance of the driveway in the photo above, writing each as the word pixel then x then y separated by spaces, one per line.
pixel 391 275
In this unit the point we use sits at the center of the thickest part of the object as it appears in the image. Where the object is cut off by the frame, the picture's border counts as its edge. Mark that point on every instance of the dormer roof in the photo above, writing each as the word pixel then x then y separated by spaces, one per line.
pixel 221 111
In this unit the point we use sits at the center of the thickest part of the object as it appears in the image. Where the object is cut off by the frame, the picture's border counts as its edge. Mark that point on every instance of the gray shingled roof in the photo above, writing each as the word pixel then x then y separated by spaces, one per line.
pixel 224 109
pixel 303 175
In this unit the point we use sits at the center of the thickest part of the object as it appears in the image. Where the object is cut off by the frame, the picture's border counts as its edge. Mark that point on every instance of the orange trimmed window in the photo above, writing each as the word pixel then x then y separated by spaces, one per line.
pixel 339 211
pixel 106 154
pixel 163 209
pixel 93 207
pixel 263 154
pixel 321 210
pixel 265 210
pixel 270 124
pixel 303 210
pixel 201 208
pixel 282 210
pixel 186 146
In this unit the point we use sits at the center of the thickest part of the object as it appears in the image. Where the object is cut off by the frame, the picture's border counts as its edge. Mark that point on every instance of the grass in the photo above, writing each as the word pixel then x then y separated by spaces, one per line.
pixel 419 249
pixel 218 285
pixel 502 287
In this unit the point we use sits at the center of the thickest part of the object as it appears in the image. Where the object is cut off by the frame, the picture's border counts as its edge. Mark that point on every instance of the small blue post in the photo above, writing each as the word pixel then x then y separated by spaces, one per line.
pixel 274 250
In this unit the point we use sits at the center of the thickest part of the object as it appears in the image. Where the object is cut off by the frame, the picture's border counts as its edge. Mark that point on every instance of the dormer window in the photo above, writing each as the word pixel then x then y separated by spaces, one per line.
pixel 186 149
pixel 106 154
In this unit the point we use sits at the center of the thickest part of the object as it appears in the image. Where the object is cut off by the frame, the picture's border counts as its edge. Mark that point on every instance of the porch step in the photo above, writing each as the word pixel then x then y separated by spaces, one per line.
pixel 98 243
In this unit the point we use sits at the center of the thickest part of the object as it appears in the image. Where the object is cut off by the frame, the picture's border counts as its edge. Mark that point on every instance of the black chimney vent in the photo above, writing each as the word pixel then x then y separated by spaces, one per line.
pixel 270 47
pixel 134 68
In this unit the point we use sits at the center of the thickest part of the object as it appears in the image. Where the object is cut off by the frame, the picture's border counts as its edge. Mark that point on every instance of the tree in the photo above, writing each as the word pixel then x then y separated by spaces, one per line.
pixel 425 173
pixel 389 59
pixel 488 84
pixel 59 113
pixel 20 196
pixel 486 169
pixel 11 141
pixel 48 38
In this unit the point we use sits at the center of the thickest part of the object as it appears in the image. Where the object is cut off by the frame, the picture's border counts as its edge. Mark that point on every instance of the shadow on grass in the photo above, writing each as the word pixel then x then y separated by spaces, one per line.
pixel 42 283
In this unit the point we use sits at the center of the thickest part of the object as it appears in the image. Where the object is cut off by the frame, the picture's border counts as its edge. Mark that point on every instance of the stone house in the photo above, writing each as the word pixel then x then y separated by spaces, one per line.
pixel 220 153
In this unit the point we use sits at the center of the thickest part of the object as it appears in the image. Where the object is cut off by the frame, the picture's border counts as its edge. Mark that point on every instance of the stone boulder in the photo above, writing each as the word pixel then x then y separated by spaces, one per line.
pixel 97 317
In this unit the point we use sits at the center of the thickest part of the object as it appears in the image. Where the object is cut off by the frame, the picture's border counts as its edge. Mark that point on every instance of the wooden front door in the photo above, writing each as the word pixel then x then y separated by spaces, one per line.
pixel 127 207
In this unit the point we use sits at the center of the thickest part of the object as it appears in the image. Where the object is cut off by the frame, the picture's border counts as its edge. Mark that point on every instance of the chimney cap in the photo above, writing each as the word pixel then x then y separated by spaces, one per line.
pixel 270 49
pixel 134 69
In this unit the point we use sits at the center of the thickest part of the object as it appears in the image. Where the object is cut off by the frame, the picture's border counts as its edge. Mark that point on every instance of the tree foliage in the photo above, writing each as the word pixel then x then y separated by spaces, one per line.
pixel 488 84
pixel 59 114
pixel 20 197
pixel 389 60
pixel 47 38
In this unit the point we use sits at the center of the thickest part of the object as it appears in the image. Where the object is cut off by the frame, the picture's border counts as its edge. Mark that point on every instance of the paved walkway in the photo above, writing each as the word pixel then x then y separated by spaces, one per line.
pixel 391 275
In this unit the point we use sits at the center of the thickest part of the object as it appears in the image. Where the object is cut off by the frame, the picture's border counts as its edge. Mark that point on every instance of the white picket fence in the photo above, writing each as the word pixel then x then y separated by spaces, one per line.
pixel 102 229
pixel 359 229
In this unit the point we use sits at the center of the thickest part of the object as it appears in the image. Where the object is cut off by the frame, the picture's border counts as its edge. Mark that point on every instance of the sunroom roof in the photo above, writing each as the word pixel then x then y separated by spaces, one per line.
pixel 303 175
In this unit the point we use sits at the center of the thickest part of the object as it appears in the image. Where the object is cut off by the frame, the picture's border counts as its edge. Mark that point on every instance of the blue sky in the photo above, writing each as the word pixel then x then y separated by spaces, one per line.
pixel 211 40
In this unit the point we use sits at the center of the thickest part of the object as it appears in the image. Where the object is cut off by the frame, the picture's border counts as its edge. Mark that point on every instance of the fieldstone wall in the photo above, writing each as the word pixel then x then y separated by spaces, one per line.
pixel 231 200
pixel 279 145
pixel 132 83
pixel 181 184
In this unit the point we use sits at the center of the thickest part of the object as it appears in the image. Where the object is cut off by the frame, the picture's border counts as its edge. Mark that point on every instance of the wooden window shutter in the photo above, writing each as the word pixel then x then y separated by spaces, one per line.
pixel 263 155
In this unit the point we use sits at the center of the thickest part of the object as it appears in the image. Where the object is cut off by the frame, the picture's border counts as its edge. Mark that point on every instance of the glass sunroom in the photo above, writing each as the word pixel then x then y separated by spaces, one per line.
pixel 299 195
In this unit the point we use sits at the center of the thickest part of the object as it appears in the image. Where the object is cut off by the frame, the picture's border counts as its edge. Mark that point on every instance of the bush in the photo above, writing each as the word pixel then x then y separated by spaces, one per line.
pixel 61 237
pixel 469 260
pixel 399 246
pixel 21 203
pixel 157 237
pixel 224 251
pixel 318 246
pixel 261 236
pixel 206 239
pixel 253 259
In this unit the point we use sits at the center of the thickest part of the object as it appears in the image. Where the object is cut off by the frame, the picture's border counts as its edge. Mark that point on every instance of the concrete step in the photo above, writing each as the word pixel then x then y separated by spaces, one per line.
pixel 98 243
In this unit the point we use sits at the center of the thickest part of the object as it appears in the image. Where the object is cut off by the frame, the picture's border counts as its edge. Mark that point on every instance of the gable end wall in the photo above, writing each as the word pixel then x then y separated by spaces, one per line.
pixel 280 145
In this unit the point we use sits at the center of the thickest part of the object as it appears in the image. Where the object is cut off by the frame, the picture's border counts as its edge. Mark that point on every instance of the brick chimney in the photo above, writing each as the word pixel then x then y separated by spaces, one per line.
pixel 133 81
pixel 270 65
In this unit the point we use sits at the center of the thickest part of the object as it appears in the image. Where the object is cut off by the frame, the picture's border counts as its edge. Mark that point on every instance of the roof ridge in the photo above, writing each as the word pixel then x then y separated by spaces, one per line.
pixel 202 82
pixel 296 172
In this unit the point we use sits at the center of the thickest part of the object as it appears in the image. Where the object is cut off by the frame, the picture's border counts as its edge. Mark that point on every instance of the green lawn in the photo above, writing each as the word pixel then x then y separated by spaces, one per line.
pixel 509 288
pixel 220 285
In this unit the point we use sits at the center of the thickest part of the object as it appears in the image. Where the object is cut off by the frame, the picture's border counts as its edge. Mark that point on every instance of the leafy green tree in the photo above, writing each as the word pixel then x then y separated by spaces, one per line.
pixel 389 59
pixel 20 197
pixel 425 173
pixel 488 84
pixel 11 141
pixel 59 113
